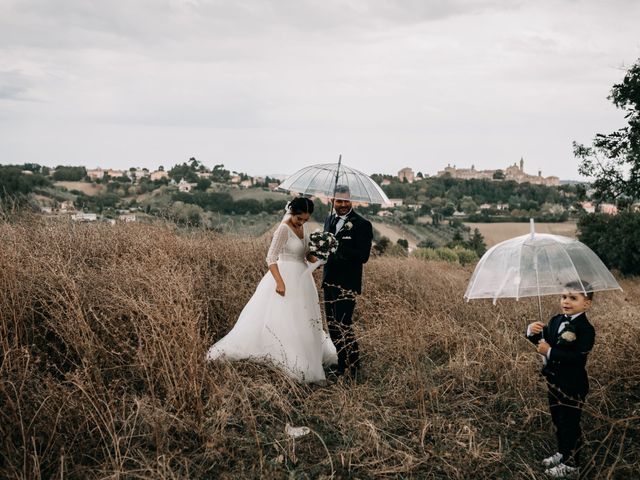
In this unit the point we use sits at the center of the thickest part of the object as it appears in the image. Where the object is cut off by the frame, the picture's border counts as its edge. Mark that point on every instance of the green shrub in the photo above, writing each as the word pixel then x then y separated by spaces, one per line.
pixel 466 256
pixel 447 254
pixel 614 238
pixel 425 254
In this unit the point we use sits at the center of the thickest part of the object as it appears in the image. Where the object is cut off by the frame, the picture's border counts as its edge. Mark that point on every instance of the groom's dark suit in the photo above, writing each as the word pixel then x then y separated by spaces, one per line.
pixel 342 280
pixel 566 374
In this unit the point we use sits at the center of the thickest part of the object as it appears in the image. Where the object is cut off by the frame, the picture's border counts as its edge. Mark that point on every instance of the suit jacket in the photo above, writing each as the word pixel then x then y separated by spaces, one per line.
pixel 344 267
pixel 566 365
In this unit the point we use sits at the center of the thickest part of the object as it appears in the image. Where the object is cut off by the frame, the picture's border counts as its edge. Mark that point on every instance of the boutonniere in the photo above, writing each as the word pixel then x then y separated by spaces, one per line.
pixel 348 226
pixel 568 335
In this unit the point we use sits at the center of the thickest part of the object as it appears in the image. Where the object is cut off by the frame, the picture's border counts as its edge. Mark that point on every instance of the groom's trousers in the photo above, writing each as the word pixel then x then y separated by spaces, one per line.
pixel 339 306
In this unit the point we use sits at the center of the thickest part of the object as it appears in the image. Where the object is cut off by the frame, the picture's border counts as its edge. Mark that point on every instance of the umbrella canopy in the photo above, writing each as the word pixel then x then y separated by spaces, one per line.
pixel 321 180
pixel 538 264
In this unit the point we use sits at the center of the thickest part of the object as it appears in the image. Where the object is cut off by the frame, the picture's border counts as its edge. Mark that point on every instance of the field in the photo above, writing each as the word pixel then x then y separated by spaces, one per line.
pixel 394 233
pixel 103 334
pixel 497 232
pixel 257 194
pixel 84 187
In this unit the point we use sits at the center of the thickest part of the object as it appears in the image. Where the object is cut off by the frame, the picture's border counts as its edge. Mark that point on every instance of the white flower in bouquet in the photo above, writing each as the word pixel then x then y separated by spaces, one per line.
pixel 322 244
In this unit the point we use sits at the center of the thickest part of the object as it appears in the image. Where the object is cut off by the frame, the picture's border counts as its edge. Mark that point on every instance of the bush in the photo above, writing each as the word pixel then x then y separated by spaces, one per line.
pixel 466 256
pixel 614 238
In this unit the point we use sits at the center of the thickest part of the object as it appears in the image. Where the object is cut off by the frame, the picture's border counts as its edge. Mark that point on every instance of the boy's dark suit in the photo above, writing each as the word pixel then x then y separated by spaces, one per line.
pixel 342 280
pixel 567 379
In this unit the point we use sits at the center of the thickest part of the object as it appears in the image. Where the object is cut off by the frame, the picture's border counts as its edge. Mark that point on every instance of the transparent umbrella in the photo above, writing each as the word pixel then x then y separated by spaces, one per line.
pixel 321 181
pixel 538 264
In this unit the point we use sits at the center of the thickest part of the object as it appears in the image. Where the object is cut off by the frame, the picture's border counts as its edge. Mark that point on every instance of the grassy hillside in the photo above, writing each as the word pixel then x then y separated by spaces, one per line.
pixel 103 336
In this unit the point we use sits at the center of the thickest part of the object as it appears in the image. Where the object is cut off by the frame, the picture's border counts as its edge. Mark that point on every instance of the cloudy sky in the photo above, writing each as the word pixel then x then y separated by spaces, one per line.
pixel 270 86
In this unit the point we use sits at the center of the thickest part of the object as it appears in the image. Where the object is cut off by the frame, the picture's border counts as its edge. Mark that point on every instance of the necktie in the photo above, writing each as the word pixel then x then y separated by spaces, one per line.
pixel 334 222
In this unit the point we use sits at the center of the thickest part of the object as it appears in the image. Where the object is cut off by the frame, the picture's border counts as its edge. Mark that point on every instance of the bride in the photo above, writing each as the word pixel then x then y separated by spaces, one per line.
pixel 282 322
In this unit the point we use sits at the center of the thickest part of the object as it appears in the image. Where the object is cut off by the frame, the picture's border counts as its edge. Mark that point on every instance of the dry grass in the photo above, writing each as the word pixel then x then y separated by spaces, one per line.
pixel 103 336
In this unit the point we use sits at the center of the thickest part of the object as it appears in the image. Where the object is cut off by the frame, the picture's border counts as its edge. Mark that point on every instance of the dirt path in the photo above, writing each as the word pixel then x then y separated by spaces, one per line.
pixel 394 232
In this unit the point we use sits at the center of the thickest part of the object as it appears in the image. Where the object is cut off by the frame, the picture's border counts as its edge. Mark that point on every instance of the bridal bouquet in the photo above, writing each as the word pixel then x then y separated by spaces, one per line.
pixel 322 244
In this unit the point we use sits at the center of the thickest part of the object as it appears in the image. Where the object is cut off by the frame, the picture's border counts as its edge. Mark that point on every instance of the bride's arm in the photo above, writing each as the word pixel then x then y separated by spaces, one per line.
pixel 280 238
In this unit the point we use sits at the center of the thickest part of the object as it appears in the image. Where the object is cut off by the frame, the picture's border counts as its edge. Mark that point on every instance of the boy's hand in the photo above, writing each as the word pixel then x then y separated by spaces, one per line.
pixel 536 327
pixel 543 347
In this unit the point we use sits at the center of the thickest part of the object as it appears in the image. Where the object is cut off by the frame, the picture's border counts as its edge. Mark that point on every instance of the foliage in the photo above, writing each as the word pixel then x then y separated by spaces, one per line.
pixel 614 159
pixel 14 183
pixel 381 245
pixel 69 174
pixel 459 255
pixel 614 238
pixel 404 243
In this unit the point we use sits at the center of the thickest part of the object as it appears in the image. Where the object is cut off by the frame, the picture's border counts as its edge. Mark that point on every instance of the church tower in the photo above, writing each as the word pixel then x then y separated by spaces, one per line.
pixel 521 164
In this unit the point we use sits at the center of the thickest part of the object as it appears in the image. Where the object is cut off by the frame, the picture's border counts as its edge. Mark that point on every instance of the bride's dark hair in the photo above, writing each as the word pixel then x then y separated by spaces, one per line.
pixel 301 205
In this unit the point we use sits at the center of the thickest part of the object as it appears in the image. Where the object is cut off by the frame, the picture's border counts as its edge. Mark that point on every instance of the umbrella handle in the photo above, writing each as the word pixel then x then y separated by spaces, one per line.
pixel 335 185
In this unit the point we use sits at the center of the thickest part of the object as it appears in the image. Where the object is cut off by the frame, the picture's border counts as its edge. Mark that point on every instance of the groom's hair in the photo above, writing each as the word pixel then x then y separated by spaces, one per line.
pixel 301 205
pixel 344 189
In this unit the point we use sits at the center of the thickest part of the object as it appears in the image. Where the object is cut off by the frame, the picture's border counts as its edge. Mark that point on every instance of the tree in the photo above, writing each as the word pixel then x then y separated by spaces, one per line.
pixel 381 245
pixel 614 159
pixel 498 175
pixel 69 174
pixel 476 243
pixel 404 243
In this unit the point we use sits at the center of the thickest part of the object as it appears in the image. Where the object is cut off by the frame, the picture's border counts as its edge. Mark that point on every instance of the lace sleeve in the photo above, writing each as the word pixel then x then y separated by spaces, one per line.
pixel 280 237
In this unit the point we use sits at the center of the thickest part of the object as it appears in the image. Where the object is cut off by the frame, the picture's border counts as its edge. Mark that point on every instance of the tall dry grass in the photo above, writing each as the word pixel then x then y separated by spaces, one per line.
pixel 104 331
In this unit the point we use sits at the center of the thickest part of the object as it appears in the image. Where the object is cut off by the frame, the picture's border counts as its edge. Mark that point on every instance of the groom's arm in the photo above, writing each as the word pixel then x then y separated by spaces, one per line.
pixel 362 249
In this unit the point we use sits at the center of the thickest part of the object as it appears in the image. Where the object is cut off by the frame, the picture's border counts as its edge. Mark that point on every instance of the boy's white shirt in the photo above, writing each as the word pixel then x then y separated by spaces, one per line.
pixel 560 328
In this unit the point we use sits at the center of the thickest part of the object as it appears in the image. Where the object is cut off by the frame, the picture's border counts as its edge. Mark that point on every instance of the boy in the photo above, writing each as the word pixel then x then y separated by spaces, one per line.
pixel 565 343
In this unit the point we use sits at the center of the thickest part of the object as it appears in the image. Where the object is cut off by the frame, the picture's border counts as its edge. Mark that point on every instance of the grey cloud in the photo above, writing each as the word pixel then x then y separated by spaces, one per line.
pixel 15 86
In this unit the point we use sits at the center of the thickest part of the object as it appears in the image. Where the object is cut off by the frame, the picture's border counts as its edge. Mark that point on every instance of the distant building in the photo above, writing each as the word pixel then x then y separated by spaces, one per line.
pixel 406 174
pixel 136 175
pixel 385 213
pixel 588 207
pixel 513 172
pixel 185 186
pixel 393 202
pixel 84 217
pixel 204 174
pixel 385 181
pixel 95 174
pixel 608 208
pixel 273 185
pixel 127 217
pixel 235 179
pixel 115 173
pixel 67 206
pixel 246 183
pixel 158 175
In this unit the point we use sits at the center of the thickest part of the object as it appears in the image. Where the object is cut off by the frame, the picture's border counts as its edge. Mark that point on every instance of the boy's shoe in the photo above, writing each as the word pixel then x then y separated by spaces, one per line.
pixel 553 460
pixel 562 471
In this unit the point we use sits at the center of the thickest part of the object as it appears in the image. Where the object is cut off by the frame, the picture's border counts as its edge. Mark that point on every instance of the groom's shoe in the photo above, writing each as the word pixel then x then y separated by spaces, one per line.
pixel 353 376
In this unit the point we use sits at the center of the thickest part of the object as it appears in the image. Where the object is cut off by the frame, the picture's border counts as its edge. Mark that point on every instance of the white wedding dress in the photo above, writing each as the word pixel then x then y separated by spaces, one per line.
pixel 286 331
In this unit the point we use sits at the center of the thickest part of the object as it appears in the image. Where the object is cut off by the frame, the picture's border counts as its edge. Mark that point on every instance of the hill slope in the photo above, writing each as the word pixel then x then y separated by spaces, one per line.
pixel 104 332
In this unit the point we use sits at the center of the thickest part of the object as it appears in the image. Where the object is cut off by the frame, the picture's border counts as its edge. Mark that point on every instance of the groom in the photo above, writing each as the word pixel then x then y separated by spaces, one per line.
pixel 342 277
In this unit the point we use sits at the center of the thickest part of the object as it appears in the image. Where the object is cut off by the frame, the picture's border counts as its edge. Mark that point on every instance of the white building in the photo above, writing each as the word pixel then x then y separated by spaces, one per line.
pixel 185 186
pixel 84 217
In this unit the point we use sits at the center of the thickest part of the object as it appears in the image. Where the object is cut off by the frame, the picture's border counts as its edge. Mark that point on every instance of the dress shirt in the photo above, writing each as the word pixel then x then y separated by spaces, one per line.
pixel 341 220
